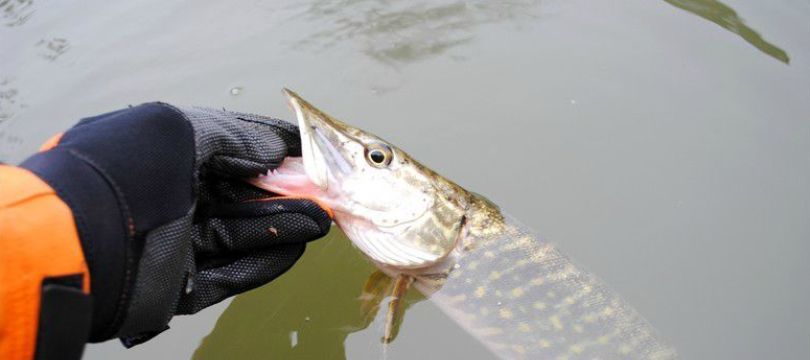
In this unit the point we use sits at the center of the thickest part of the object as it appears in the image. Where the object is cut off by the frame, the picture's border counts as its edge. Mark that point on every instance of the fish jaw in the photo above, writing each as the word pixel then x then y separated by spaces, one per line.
pixel 326 149
pixel 315 168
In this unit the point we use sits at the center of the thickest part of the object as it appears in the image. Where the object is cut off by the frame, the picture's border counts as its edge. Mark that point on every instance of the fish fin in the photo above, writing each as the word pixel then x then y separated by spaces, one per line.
pixel 396 307
pixel 377 286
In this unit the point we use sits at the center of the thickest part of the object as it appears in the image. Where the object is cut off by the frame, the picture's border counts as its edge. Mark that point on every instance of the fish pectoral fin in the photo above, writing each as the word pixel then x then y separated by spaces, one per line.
pixel 396 307
pixel 377 286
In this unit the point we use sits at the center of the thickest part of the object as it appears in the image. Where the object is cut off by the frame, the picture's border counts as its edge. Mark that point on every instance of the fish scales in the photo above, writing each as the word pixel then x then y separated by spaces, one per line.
pixel 525 300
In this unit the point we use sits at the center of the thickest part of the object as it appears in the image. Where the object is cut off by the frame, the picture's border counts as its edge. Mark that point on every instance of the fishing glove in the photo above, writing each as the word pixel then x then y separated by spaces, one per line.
pixel 166 222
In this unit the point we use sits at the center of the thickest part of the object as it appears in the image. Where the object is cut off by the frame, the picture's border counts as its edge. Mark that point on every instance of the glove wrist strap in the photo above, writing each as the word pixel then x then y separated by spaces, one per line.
pixel 101 227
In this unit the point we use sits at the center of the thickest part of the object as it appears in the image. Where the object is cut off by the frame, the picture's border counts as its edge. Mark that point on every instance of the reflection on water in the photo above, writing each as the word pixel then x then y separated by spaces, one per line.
pixel 8 99
pixel 16 12
pixel 53 48
pixel 396 32
pixel 9 104
pixel 306 314
pixel 721 14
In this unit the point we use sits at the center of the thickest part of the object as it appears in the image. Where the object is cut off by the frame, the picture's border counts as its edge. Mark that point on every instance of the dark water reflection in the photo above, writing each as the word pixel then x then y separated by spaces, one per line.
pixel 8 100
pixel 53 48
pixel 10 104
pixel 16 12
pixel 290 321
pixel 723 15
pixel 397 32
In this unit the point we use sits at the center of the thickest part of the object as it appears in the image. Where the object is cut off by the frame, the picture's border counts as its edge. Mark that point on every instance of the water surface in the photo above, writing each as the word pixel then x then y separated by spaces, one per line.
pixel 662 144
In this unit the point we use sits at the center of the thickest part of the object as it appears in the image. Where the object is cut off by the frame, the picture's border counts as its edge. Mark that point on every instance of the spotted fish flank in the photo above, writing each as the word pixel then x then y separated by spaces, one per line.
pixel 540 305
pixel 511 290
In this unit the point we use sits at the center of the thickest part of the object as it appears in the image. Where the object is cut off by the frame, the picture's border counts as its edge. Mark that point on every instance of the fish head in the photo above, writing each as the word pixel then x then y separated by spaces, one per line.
pixel 395 210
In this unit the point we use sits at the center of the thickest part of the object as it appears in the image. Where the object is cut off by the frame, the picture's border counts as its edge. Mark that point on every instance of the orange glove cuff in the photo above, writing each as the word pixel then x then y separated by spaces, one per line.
pixel 38 240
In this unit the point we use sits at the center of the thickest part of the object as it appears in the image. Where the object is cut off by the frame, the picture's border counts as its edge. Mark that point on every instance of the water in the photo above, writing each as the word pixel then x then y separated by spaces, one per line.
pixel 662 144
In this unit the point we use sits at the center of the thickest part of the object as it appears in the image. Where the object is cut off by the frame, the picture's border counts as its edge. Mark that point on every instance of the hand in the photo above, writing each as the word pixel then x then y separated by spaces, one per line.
pixel 167 224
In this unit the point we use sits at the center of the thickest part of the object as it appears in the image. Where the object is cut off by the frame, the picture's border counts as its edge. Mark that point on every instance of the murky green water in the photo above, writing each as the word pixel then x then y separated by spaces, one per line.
pixel 663 144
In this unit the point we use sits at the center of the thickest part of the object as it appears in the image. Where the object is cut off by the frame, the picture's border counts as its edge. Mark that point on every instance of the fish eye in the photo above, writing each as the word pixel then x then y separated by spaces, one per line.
pixel 378 155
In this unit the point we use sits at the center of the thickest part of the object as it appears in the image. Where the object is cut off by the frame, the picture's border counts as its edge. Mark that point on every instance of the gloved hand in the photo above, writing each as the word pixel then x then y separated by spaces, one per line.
pixel 166 222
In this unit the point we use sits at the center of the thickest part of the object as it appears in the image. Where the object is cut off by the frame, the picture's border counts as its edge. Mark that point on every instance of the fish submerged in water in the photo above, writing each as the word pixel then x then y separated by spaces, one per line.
pixel 508 288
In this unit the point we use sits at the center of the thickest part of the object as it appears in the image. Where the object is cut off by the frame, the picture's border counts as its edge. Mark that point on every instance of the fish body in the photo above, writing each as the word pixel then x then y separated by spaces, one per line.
pixel 507 287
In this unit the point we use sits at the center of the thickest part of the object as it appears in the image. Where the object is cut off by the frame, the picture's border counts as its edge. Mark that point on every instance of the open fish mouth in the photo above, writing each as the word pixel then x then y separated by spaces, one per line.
pixel 322 161
pixel 320 143
pixel 290 179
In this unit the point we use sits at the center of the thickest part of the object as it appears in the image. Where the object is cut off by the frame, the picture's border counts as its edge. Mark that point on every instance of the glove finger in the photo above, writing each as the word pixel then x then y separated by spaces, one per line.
pixel 247 149
pixel 286 130
pixel 235 228
pixel 241 144
pixel 214 284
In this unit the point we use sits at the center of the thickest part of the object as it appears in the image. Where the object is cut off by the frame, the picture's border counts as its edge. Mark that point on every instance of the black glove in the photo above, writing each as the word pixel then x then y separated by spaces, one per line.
pixel 167 224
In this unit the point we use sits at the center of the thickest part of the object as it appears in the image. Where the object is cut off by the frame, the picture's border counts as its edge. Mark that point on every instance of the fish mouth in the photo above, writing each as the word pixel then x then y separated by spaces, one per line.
pixel 324 160
pixel 322 138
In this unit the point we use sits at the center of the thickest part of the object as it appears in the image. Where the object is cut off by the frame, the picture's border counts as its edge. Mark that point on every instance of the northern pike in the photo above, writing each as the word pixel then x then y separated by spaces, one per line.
pixel 510 289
